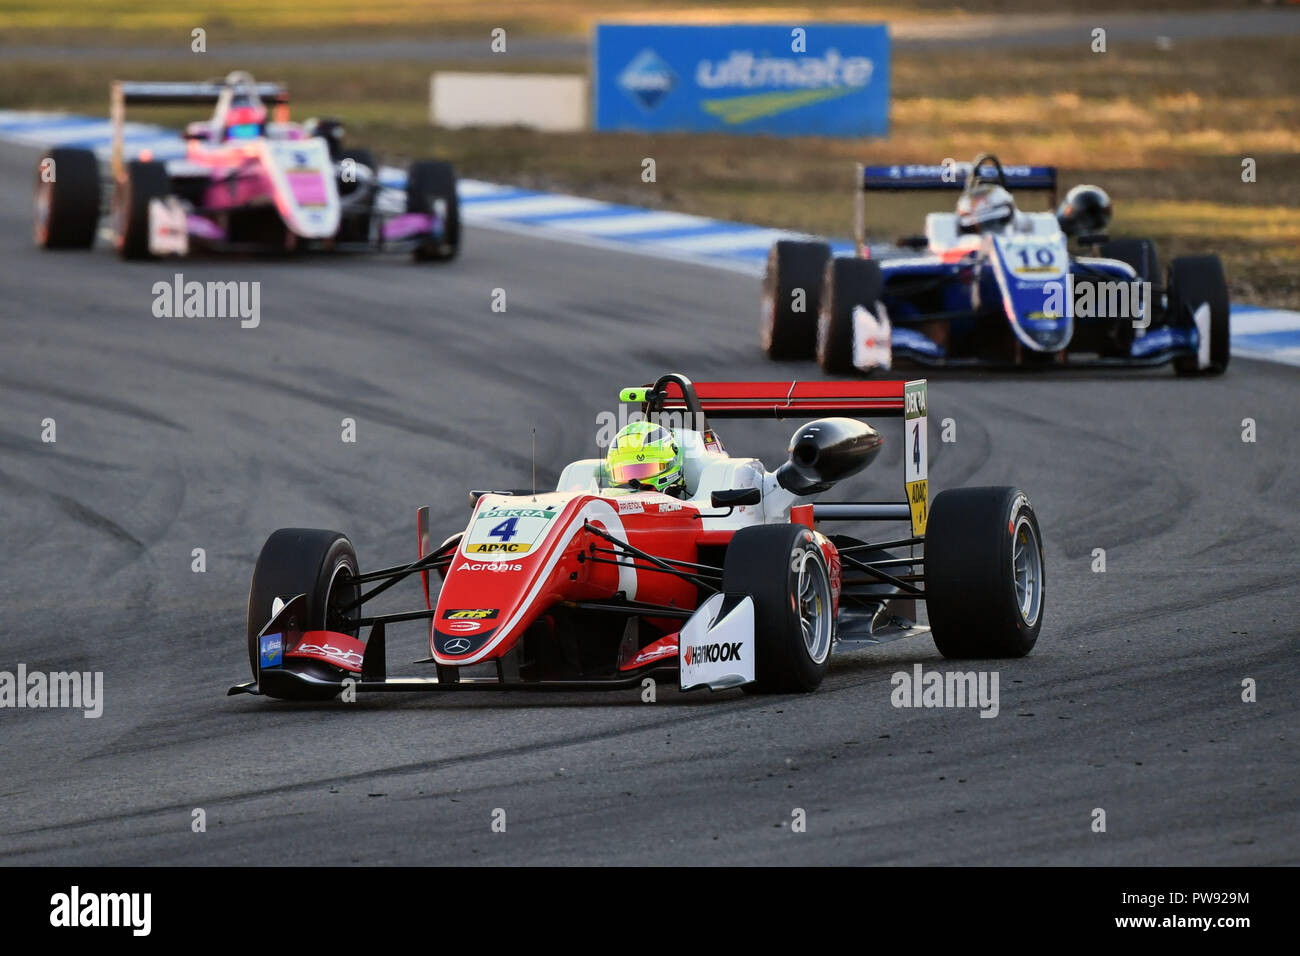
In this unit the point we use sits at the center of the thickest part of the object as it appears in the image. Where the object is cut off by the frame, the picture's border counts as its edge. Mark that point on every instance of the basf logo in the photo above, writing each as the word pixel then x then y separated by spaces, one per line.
pixel 821 80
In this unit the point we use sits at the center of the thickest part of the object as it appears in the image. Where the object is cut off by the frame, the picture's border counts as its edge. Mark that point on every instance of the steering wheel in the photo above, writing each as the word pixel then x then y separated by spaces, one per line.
pixel 975 176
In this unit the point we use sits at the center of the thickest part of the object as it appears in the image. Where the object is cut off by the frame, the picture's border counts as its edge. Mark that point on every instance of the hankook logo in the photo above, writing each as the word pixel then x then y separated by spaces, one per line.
pixel 712 653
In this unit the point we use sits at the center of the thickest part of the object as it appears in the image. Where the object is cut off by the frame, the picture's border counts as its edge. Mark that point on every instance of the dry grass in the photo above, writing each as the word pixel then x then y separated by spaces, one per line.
pixel 1164 132
pixel 117 22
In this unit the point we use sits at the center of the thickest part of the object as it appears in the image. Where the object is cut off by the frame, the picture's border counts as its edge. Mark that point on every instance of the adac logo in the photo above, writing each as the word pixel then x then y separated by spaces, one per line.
pixel 647 79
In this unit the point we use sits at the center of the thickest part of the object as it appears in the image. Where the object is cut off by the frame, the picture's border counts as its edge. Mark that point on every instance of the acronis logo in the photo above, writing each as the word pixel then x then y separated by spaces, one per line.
pixel 647 79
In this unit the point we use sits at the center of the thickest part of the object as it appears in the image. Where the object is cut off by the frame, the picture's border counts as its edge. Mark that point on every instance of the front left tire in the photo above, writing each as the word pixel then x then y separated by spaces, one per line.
pixel 140 183
pixel 320 564
pixel 782 569
pixel 428 181
pixel 1195 281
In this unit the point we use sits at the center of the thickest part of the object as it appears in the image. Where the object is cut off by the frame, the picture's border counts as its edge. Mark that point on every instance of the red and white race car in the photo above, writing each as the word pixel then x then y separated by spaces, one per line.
pixel 250 181
pixel 733 584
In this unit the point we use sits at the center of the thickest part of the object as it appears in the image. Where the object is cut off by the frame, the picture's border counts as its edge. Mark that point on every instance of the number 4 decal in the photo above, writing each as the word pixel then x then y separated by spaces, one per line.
pixel 505 530
pixel 916 445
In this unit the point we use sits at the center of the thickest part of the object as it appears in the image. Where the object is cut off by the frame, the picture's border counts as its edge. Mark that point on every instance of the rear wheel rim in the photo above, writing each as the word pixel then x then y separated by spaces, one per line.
pixel 1027 570
pixel 812 597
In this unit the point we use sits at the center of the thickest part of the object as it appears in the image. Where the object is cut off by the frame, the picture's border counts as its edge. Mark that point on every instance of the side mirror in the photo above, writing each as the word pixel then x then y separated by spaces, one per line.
pixel 735 497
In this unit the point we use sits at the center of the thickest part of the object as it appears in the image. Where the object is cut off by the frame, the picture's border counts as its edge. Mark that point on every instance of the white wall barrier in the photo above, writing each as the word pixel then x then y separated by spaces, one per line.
pixel 549 102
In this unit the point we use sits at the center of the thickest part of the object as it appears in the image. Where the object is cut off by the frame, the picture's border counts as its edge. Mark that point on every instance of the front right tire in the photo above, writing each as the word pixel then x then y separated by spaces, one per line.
pixel 984 573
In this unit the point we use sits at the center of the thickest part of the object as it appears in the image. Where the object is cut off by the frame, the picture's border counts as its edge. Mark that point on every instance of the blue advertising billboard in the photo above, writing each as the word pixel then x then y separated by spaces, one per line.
pixel 822 79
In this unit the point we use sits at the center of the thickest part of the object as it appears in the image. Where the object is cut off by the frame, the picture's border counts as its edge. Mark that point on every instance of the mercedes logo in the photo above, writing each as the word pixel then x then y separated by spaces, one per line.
pixel 457 645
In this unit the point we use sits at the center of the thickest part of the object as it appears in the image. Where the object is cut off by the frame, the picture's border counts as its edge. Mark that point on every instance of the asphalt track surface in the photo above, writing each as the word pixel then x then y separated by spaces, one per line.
pixel 935 34
pixel 175 434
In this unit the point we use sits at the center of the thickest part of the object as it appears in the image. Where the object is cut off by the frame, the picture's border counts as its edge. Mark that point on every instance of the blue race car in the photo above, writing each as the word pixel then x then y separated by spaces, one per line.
pixel 991 285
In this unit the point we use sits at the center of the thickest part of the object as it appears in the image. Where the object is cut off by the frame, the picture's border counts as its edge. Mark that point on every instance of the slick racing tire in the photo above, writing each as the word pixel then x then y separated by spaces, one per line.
pixel 784 572
pixel 984 573
pixel 849 283
pixel 1142 256
pixel 67 206
pixel 139 184
pixel 319 564
pixel 1138 253
pixel 1194 281
pixel 794 272
pixel 429 180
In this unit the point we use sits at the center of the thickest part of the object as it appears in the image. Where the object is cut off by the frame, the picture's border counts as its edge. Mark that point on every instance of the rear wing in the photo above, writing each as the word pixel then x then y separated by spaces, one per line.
pixel 778 400
pixel 147 93
pixel 950 176
pixel 796 399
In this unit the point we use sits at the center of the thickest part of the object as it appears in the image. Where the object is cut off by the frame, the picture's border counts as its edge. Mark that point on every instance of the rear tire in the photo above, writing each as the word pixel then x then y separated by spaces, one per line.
pixel 981 546
pixel 1139 253
pixel 792 633
pixel 306 561
pixel 67 209
pixel 1194 281
pixel 140 183
pixel 849 283
pixel 1142 256
pixel 792 266
pixel 429 180
pixel 355 227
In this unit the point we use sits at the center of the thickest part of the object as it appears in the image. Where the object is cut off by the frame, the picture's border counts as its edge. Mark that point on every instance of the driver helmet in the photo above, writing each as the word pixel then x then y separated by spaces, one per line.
pixel 646 455
pixel 245 121
pixel 985 207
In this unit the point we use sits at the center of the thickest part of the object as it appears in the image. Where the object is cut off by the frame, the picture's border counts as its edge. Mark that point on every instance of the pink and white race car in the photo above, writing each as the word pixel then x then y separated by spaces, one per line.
pixel 250 181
